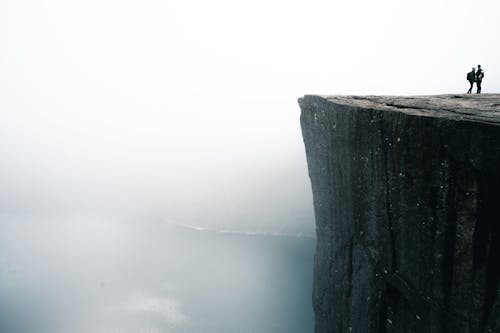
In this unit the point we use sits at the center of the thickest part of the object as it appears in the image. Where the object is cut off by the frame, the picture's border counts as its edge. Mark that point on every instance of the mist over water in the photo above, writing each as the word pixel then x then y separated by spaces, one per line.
pixel 62 274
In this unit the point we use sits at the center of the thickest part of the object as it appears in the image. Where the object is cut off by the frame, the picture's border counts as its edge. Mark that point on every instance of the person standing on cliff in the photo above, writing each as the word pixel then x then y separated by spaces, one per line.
pixel 479 78
pixel 471 77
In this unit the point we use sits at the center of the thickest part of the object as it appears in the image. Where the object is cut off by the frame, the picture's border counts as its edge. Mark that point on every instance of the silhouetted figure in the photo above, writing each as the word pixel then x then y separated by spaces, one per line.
pixel 479 78
pixel 471 77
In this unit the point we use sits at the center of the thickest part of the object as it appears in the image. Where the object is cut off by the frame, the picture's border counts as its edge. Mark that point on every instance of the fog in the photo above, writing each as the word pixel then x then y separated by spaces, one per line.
pixel 119 115
pixel 187 110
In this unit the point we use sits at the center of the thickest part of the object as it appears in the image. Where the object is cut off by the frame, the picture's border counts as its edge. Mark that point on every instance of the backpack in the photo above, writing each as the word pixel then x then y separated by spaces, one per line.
pixel 470 76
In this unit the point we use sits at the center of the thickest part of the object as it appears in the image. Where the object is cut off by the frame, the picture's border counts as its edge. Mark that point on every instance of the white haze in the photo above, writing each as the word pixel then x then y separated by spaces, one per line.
pixel 187 110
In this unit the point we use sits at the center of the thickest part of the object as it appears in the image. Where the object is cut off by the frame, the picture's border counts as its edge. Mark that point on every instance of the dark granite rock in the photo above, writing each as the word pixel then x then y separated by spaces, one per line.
pixel 407 206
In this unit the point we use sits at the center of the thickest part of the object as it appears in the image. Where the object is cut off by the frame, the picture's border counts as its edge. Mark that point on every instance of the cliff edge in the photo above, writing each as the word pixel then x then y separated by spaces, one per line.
pixel 407 206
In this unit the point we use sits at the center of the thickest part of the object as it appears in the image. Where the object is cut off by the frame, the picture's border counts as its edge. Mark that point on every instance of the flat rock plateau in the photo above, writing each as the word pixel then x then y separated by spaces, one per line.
pixel 407 206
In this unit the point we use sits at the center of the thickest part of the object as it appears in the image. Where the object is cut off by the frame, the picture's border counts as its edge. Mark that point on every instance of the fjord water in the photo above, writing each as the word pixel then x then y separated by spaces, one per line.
pixel 101 274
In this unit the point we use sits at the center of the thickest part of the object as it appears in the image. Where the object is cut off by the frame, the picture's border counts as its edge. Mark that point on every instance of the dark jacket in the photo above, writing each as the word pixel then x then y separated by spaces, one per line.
pixel 471 76
pixel 479 75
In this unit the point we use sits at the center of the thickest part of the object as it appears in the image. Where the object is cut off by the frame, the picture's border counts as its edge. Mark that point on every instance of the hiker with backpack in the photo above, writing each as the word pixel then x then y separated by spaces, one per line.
pixel 471 77
pixel 479 78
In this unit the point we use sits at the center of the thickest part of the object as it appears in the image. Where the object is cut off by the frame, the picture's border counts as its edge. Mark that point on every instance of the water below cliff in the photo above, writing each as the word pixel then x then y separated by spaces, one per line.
pixel 91 274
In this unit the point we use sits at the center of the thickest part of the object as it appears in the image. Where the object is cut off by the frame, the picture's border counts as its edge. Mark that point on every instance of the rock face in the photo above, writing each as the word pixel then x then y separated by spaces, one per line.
pixel 407 206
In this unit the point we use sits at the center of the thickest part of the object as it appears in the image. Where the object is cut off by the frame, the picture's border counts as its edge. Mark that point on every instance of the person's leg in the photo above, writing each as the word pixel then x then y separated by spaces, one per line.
pixel 478 84
pixel 471 86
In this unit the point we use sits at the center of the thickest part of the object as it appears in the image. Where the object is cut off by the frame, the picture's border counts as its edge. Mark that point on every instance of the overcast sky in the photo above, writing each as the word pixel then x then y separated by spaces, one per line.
pixel 188 108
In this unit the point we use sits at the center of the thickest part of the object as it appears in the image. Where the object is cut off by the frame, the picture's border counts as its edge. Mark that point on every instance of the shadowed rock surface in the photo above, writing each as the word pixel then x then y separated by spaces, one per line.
pixel 407 206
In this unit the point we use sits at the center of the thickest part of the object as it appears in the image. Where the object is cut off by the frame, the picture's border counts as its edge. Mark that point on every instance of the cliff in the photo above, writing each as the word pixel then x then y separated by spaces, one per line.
pixel 407 206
